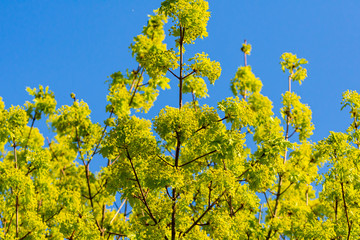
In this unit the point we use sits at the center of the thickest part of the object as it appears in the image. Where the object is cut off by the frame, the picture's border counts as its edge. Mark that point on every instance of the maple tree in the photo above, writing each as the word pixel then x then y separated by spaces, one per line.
pixel 188 173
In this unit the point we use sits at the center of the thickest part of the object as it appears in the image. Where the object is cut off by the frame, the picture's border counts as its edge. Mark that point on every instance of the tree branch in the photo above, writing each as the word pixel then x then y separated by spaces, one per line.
pixel 16 197
pixel 32 125
pixel 139 185
pixel 292 133
pixel 165 161
pixel 204 213
pixel 182 33
pixel 346 210
pixel 117 212
pixel 54 214
pixel 117 234
pixel 286 188
pixel 278 195
pixel 205 126
pixel 137 85
pixel 173 73
pixel 206 154
pixel 276 202
pixel 173 212
pixel 25 235
pixel 238 209
pixel 267 202
pixel 189 74
pixel 177 151
pixel 87 174
pixel 101 138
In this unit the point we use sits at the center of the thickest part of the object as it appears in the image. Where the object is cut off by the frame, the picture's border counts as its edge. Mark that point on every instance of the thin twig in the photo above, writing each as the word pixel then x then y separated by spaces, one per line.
pixel 162 159
pixel 204 213
pixel 25 235
pixel 206 154
pixel 137 85
pixel 117 234
pixel 286 188
pixel 101 138
pixel 32 125
pixel 54 214
pixel 173 73
pixel 292 133
pixel 267 202
pixel 141 190
pixel 189 74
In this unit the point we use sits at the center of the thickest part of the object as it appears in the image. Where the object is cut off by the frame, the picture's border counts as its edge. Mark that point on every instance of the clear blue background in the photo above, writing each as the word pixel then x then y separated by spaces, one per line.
pixel 72 46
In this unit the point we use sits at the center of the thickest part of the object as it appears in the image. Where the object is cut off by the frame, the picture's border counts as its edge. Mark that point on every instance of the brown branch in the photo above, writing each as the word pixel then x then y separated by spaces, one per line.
pixel 101 188
pixel 141 190
pixel 177 151
pixel 239 208
pixel 205 126
pixel 336 208
pixel 210 188
pixel 11 219
pixel 54 214
pixel 137 85
pixel 222 119
pixel 292 133
pixel 245 62
pixel 72 235
pixel 286 188
pixel 278 195
pixel 102 218
pixel 101 138
pixel 173 220
pixel 202 127
pixel 178 144
pixel 173 73
pixel 135 75
pixel 32 125
pixel 203 224
pixel 276 204
pixel 30 171
pixel 206 154
pixel 144 84
pixel 193 71
pixel 87 173
pixel 25 235
pixel 17 215
pixel 162 159
pixel 346 210
pixel 243 173
pixel 204 213
pixel 117 234
pixel 15 154
pixel 182 33
pixel 267 202
pixel 17 197
pixel 167 192
pixel 54 155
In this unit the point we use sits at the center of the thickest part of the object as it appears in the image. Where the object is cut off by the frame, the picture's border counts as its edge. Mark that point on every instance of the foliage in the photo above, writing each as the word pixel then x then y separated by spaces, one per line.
pixel 235 171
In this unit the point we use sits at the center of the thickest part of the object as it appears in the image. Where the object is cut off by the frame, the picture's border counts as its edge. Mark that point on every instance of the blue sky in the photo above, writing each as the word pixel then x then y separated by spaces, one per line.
pixel 72 46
